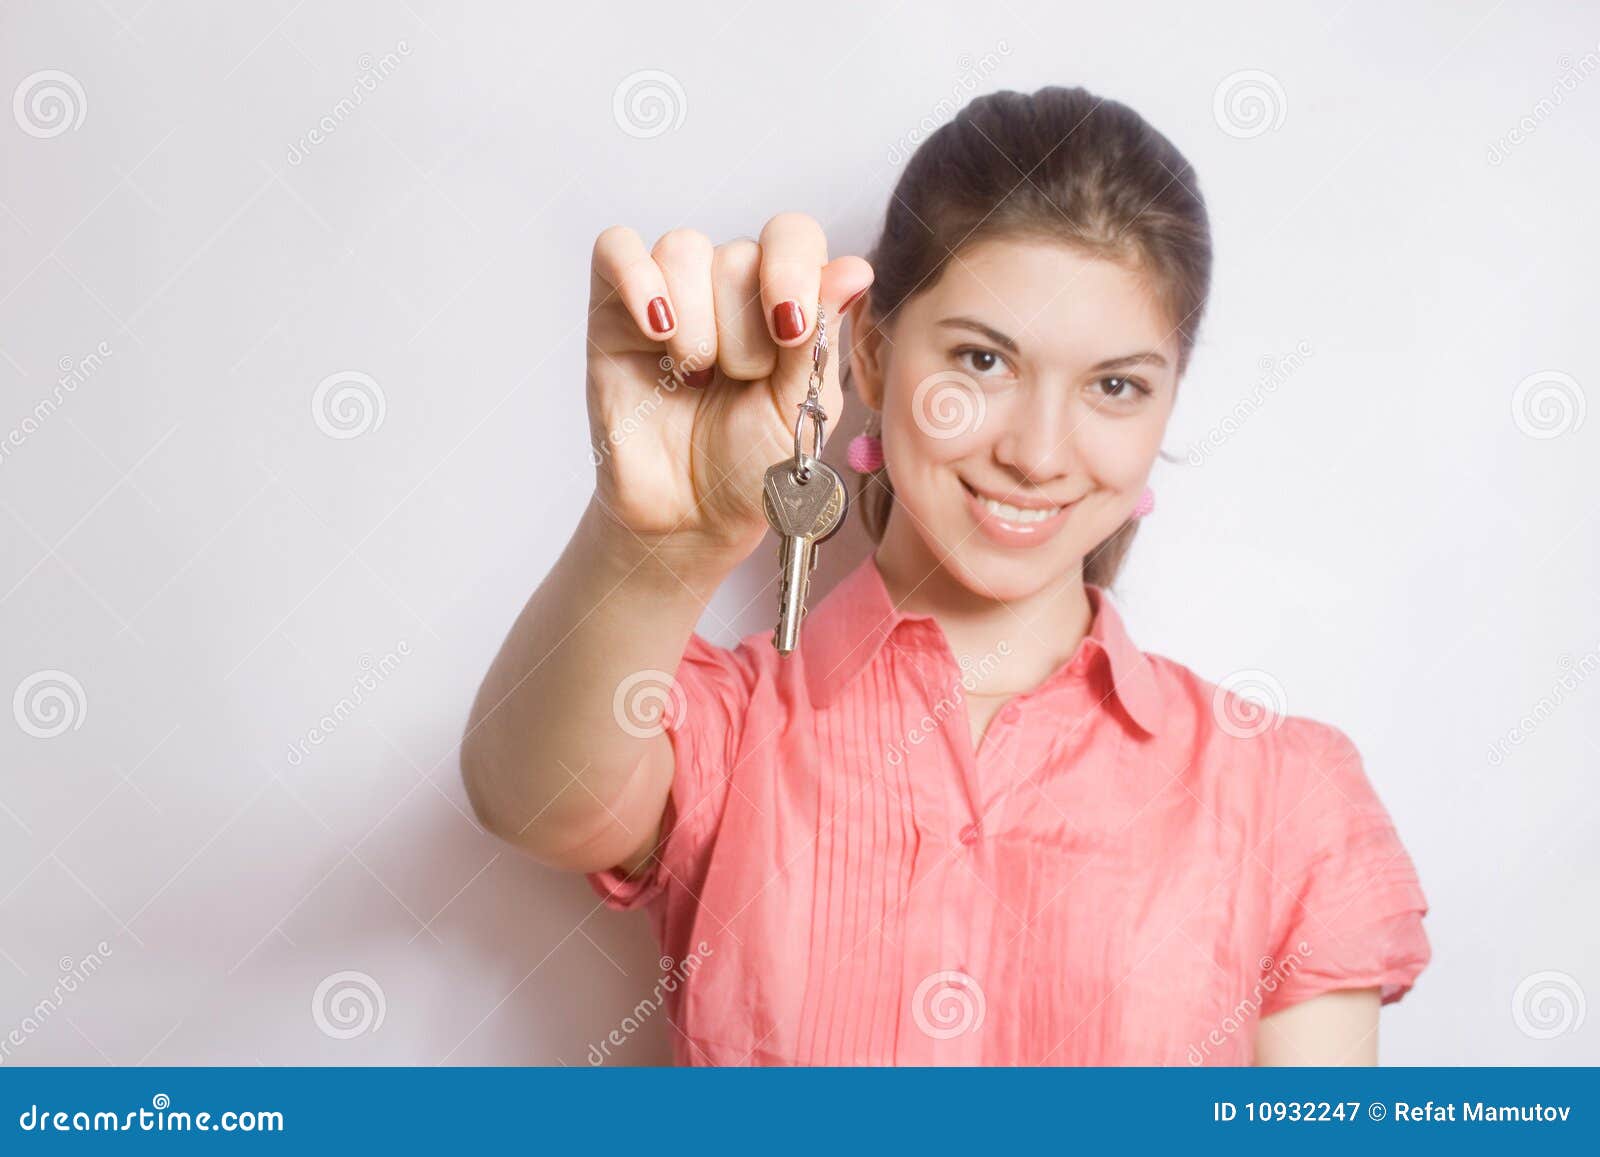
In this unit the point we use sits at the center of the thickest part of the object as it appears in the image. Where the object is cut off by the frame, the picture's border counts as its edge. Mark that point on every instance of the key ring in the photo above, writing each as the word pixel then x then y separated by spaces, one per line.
pixel 812 404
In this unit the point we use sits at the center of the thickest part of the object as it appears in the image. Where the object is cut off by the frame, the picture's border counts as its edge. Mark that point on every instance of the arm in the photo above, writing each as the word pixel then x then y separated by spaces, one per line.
pixel 1336 1028
pixel 682 358
pixel 546 765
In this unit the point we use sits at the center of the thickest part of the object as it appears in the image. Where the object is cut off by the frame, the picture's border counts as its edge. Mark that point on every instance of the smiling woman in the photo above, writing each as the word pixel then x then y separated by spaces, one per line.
pixel 1094 225
pixel 1011 836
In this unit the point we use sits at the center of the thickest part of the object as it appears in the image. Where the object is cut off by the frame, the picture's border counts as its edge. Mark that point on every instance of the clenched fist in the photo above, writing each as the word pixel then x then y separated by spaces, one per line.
pixel 698 357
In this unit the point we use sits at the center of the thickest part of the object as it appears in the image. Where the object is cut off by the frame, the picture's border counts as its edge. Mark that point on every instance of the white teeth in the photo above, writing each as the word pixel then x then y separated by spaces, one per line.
pixel 1017 513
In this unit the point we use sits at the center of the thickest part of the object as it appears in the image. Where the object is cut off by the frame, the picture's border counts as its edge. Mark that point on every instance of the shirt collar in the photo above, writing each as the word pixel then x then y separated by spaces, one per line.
pixel 848 628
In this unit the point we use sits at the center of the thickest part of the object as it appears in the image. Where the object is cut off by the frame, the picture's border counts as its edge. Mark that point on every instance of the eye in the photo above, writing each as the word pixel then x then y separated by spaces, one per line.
pixel 1122 389
pixel 981 362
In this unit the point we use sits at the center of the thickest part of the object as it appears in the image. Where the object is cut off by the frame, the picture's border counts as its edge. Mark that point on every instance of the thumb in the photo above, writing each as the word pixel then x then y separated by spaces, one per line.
pixel 842 280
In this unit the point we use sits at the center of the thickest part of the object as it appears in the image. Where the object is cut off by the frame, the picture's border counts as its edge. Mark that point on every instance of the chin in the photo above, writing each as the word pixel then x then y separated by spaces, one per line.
pixel 1007 575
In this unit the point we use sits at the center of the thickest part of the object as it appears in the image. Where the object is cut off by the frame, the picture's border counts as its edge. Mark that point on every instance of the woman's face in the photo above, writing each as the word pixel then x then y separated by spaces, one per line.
pixel 1024 395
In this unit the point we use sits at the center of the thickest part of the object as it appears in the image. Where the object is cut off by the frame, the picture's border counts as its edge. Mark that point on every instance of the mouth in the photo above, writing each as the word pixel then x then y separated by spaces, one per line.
pixel 1012 522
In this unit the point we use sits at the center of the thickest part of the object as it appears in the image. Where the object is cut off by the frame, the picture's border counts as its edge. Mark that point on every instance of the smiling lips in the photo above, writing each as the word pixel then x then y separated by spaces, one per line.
pixel 1009 524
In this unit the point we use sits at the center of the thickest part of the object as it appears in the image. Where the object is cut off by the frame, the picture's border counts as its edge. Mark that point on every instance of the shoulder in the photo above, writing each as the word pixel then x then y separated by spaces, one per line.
pixel 1244 706
pixel 1241 726
pixel 743 659
pixel 746 675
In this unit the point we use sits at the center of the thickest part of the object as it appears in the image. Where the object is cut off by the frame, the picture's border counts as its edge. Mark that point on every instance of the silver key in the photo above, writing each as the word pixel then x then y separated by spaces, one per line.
pixel 805 514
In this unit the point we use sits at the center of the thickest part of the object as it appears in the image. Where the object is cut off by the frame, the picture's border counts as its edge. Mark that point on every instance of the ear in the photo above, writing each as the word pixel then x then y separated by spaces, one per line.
pixel 869 352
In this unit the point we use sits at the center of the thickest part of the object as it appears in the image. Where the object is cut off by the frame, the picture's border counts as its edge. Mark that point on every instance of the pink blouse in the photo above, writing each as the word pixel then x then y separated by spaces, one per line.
pixel 1134 866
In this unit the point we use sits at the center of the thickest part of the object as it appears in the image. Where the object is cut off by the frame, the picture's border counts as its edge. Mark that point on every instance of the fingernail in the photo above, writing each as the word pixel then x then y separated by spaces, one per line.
pixel 699 379
pixel 660 314
pixel 854 297
pixel 788 321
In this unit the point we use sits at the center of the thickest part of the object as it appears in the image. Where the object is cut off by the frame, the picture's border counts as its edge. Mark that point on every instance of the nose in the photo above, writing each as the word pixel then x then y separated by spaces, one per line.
pixel 1037 437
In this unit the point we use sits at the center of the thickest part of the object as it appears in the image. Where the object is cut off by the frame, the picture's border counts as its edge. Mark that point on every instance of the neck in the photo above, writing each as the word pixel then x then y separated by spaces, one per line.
pixel 1013 643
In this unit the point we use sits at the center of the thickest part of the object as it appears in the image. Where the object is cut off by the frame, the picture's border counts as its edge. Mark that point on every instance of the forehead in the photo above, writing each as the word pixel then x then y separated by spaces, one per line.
pixel 1051 296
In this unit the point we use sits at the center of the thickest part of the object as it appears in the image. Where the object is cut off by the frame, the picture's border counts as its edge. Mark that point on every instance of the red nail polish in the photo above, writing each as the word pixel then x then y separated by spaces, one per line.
pixel 854 297
pixel 788 321
pixel 699 379
pixel 660 314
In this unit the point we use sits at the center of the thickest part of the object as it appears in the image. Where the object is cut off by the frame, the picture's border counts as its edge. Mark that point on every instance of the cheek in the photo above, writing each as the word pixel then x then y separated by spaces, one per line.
pixel 1119 453
pixel 934 420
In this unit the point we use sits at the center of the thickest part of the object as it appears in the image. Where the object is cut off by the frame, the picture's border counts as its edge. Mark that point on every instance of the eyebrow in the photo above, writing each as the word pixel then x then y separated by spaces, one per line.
pixel 1009 344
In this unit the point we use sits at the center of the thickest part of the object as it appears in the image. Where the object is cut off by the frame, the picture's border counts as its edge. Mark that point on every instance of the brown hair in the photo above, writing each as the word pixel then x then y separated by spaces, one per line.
pixel 1064 165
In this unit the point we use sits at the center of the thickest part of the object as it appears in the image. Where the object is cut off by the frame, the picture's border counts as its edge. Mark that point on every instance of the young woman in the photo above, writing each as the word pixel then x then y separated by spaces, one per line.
pixel 967 821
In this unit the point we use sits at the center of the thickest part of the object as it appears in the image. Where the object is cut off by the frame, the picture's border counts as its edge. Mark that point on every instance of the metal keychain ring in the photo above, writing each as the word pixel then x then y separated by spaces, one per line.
pixel 813 403
pixel 819 427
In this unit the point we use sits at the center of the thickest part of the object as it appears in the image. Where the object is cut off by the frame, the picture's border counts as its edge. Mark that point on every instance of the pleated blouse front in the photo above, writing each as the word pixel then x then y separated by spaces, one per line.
pixel 1133 867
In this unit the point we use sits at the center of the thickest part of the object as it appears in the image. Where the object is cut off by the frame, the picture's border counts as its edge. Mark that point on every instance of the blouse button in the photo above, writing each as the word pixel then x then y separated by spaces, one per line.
pixel 1010 713
pixel 970 834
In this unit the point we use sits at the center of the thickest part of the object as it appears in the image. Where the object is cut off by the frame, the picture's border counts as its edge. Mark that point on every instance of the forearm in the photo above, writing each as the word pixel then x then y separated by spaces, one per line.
pixel 544 757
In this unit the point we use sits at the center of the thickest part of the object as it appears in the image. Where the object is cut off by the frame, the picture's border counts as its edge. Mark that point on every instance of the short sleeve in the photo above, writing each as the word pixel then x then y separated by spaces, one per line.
pixel 704 717
pixel 1348 906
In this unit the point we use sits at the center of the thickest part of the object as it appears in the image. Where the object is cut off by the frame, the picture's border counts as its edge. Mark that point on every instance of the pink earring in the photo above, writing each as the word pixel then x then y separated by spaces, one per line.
pixel 865 454
pixel 1146 503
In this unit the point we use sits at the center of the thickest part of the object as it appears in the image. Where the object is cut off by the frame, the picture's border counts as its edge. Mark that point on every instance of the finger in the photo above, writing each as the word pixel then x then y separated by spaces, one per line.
pixel 745 351
pixel 793 252
pixel 684 258
pixel 842 282
pixel 621 266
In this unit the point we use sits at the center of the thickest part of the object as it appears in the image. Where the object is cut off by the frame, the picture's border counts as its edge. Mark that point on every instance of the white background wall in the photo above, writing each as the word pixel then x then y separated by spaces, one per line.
pixel 1389 534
